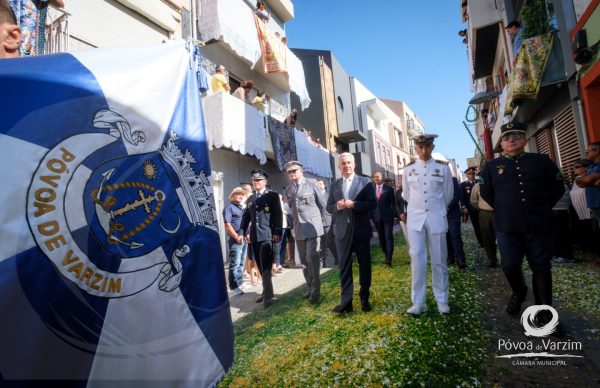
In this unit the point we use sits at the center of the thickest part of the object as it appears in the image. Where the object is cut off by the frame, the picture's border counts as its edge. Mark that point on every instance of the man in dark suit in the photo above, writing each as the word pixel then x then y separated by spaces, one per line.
pixel 522 188
pixel 383 216
pixel 465 201
pixel 351 200
pixel 401 206
pixel 263 217
pixel 456 252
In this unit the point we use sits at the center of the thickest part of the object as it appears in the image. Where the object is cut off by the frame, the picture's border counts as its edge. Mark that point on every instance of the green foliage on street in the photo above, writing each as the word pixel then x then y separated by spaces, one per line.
pixel 293 343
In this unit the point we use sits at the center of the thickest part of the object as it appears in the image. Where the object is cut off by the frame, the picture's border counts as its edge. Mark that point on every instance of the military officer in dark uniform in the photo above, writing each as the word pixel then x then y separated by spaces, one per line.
pixel 465 201
pixel 262 221
pixel 522 188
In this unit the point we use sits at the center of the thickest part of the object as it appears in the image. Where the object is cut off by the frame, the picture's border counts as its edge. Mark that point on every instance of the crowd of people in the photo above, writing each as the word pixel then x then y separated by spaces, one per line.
pixel 536 221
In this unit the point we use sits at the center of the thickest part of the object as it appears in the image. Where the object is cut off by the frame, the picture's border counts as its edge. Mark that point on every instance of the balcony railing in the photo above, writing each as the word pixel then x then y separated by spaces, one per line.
pixel 232 123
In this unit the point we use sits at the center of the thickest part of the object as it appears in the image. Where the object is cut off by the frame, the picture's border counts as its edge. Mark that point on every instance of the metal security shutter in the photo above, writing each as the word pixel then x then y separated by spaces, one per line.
pixel 543 142
pixel 106 23
pixel 568 146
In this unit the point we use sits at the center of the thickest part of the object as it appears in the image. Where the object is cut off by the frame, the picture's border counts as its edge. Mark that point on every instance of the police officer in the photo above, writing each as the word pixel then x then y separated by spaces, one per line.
pixel 522 188
pixel 428 189
pixel 263 217
pixel 466 188
pixel 308 205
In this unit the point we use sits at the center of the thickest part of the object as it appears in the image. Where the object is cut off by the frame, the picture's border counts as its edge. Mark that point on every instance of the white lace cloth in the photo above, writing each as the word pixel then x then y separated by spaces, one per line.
pixel 315 159
pixel 232 123
pixel 297 80
pixel 233 22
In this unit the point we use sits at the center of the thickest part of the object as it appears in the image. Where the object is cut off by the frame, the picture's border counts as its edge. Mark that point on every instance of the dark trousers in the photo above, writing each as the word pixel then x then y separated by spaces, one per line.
pixel 263 254
pixel 363 257
pixel 385 231
pixel 328 242
pixel 537 247
pixel 474 216
pixel 488 233
pixel 563 243
pixel 456 251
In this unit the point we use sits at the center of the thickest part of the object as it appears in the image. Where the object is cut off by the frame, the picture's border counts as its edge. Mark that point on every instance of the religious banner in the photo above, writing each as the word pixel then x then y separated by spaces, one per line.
pixel 273 50
pixel 110 262
pixel 531 61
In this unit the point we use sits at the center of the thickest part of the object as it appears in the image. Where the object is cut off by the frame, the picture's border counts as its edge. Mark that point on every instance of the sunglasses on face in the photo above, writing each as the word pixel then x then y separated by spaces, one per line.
pixel 512 136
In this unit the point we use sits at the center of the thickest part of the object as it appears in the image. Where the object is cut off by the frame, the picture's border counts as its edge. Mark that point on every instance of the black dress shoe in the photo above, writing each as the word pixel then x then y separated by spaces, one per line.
pixel 388 263
pixel 343 308
pixel 306 295
pixel 462 265
pixel 313 300
pixel 366 306
pixel 259 300
pixel 493 264
pixel 513 307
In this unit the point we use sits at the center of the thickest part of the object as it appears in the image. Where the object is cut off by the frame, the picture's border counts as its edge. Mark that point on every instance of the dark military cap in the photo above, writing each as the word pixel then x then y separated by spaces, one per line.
pixel 424 139
pixel 471 169
pixel 258 174
pixel 513 127
pixel 293 165
pixel 583 163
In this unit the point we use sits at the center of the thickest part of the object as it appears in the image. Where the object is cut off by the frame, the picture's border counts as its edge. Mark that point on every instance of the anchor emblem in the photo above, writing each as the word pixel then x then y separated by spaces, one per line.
pixel 109 218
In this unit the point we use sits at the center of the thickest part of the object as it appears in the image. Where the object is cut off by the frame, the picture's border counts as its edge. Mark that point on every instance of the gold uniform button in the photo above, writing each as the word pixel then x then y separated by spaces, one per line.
pixel 522 199
pixel 521 183
pixel 518 168
pixel 520 175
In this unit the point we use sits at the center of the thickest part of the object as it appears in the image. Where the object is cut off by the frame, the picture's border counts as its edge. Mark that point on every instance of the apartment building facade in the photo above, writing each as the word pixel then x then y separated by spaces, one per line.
pixel 502 84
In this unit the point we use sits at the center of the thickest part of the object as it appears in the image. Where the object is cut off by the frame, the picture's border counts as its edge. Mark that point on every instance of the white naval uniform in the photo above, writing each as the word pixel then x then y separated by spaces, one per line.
pixel 428 189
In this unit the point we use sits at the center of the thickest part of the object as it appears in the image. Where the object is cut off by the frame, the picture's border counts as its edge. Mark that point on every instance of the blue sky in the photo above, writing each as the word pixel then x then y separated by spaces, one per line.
pixel 399 49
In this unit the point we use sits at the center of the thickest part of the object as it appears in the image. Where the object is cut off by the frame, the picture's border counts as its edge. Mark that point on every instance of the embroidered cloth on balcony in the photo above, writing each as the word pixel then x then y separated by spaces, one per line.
pixel 315 159
pixel 232 123
pixel 284 142
pixel 273 50
pixel 524 83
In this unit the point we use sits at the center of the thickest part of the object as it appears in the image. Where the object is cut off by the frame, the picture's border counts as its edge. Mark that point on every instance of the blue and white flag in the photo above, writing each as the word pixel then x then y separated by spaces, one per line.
pixel 110 261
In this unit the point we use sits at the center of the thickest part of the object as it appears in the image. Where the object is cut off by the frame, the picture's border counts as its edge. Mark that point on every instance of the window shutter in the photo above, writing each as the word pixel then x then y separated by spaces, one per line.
pixel 568 146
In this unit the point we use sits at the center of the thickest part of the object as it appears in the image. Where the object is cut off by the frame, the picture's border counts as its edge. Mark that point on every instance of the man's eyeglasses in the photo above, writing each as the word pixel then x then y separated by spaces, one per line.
pixel 512 136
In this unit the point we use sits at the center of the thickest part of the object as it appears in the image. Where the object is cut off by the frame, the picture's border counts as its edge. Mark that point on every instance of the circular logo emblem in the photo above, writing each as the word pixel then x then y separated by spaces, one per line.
pixel 531 328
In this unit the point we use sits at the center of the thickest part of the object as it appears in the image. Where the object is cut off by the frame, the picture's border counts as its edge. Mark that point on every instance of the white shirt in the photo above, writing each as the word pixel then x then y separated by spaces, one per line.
pixel 346 185
pixel 428 189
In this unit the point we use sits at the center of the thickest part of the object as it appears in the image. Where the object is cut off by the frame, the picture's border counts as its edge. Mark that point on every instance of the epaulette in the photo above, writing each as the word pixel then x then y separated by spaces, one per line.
pixel 441 161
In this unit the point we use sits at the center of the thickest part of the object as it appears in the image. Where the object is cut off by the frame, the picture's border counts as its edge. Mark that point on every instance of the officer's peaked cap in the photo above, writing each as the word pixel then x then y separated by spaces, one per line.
pixel 258 174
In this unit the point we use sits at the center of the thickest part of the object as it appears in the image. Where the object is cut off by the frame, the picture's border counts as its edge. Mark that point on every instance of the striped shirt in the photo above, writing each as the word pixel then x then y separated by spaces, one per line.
pixel 579 203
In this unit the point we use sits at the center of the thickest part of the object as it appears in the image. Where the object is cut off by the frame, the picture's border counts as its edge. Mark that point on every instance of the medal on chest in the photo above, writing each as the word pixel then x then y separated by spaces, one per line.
pixel 500 168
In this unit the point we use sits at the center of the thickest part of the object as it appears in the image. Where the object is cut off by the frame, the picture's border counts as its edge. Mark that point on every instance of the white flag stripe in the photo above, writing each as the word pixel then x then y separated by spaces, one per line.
pixel 18 160
pixel 172 349
pixel 128 92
